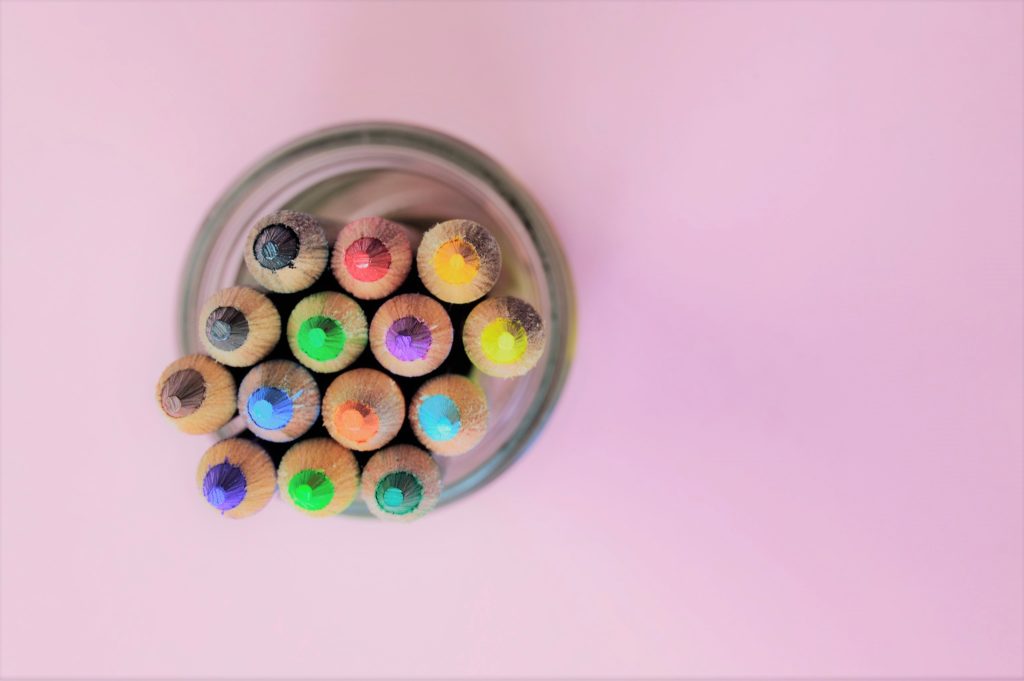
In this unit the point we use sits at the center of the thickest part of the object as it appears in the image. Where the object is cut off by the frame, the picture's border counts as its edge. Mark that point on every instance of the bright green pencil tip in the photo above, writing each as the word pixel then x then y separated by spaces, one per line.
pixel 311 489
pixel 322 338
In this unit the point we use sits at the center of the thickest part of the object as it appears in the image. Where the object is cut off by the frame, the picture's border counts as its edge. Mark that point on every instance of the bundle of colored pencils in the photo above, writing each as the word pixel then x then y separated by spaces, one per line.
pixel 326 420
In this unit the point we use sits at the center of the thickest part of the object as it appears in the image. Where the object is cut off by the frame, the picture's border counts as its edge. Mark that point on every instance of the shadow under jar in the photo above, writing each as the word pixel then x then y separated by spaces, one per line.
pixel 417 177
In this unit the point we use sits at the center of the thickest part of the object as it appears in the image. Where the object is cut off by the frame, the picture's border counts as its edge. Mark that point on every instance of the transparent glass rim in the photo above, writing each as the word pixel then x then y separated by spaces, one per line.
pixel 561 326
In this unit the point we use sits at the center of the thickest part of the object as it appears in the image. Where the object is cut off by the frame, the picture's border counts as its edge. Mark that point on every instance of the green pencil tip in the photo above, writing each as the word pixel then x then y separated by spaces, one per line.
pixel 311 489
pixel 322 338
pixel 399 492
pixel 316 338
pixel 393 497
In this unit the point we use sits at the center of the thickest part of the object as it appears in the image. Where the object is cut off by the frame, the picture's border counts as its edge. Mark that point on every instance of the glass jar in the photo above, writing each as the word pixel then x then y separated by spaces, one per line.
pixel 416 177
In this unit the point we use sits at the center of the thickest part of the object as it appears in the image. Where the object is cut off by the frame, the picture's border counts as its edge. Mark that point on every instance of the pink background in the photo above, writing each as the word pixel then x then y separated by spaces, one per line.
pixel 791 442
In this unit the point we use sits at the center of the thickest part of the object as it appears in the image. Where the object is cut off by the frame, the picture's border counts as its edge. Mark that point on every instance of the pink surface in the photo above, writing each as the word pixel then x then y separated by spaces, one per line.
pixel 810 213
